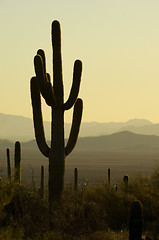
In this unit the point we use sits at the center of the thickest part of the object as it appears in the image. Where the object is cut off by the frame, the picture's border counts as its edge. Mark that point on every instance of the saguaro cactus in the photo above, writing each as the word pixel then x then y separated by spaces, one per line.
pixel 42 183
pixel 75 179
pixel 8 165
pixel 125 181
pixel 53 95
pixel 17 160
pixel 135 222
pixel 109 177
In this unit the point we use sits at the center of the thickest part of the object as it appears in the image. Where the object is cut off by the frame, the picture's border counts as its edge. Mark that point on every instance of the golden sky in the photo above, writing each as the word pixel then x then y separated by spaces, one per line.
pixel 117 41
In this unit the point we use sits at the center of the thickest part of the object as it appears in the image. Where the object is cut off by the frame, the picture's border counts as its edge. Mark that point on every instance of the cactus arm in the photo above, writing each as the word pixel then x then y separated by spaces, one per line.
pixel 37 116
pixel 40 74
pixel 50 93
pixel 57 63
pixel 42 54
pixel 75 85
pixel 77 116
pixel 46 88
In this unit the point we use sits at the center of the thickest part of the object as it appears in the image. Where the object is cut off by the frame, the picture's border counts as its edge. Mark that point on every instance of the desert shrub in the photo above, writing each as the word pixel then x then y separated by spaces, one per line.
pixel 114 206
pixel 143 189
pixel 95 209
pixel 11 233
pixel 154 179
pixel 109 235
pixel 6 193
pixel 96 212
pixel 25 210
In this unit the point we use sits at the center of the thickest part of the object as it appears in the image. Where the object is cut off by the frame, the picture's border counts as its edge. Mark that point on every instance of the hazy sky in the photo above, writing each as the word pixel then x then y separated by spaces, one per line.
pixel 117 41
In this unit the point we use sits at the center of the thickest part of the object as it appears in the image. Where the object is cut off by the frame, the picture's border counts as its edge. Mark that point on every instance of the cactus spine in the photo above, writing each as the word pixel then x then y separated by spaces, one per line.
pixel 42 183
pixel 8 165
pixel 17 160
pixel 135 222
pixel 75 179
pixel 53 95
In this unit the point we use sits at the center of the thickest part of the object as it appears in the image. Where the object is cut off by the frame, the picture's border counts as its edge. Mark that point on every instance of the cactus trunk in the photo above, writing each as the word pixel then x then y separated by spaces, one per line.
pixel 56 156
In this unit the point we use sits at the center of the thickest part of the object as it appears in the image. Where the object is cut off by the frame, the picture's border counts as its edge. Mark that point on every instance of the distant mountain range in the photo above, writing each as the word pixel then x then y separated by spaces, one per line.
pixel 125 141
pixel 20 128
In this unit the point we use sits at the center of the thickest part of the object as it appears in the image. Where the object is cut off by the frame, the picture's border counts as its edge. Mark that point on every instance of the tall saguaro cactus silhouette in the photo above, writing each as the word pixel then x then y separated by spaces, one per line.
pixel 53 95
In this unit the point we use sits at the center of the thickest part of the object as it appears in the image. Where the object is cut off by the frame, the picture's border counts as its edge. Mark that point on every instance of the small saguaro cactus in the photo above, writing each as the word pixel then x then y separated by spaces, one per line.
pixel 109 177
pixel 53 95
pixel 125 181
pixel 135 221
pixel 8 165
pixel 17 160
pixel 42 183
pixel 75 179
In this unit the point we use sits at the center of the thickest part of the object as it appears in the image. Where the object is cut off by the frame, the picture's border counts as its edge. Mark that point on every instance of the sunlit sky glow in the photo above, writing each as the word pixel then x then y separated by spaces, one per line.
pixel 117 41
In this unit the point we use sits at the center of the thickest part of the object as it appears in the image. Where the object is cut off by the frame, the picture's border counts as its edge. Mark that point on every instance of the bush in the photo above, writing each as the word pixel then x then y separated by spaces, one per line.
pixel 89 213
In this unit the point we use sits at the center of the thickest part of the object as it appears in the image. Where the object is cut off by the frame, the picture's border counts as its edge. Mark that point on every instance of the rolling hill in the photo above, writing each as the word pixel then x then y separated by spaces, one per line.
pixel 124 140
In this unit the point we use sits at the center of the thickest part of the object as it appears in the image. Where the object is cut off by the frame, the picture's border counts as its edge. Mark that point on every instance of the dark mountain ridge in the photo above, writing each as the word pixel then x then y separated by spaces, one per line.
pixel 124 140
pixel 121 140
